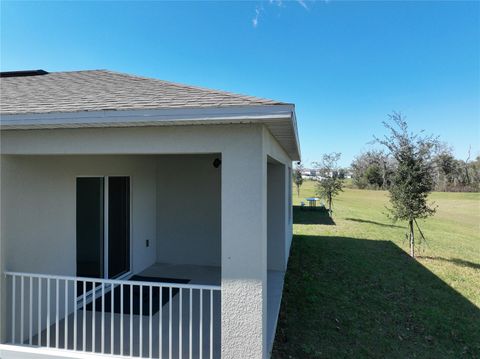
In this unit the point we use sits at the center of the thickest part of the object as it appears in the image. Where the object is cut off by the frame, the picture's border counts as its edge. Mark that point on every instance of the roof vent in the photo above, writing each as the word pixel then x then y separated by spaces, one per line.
pixel 23 73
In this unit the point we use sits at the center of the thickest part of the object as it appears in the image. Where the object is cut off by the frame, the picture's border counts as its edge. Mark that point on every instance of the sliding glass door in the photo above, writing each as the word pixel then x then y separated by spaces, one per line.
pixel 90 227
pixel 118 226
pixel 103 226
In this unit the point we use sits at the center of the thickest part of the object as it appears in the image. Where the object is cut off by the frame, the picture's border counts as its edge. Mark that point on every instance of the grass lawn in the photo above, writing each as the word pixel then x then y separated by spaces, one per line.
pixel 351 290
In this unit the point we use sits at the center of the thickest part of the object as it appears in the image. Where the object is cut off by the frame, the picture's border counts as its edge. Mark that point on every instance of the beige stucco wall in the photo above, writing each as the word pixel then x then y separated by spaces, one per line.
pixel 38 229
pixel 188 210
pixel 244 248
pixel 175 204
pixel 244 150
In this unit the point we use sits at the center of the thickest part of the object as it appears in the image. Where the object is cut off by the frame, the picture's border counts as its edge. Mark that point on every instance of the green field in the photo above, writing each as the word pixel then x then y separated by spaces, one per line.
pixel 351 290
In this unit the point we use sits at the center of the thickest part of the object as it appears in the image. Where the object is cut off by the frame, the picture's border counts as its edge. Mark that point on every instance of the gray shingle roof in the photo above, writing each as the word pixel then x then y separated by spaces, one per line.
pixel 97 90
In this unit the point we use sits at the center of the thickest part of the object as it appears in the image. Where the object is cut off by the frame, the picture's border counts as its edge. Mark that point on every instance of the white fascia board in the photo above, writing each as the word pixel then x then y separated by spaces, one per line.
pixel 295 131
pixel 132 117
pixel 154 117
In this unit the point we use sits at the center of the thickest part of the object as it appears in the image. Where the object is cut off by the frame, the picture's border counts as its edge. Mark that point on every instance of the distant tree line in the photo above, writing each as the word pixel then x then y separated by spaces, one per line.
pixel 374 169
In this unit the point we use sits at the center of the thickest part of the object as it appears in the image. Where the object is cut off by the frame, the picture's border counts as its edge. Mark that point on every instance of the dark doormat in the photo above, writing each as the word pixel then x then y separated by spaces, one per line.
pixel 136 296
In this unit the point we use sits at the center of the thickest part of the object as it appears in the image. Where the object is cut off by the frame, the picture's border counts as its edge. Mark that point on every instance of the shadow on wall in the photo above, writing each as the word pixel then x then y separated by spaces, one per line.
pixel 311 215
pixel 357 298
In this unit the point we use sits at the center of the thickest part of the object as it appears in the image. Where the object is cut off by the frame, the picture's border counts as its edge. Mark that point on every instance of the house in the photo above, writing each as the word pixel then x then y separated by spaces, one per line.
pixel 141 217
pixel 309 174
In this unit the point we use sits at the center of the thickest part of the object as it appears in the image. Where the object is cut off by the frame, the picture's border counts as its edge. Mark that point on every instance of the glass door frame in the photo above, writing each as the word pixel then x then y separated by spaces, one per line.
pixel 128 272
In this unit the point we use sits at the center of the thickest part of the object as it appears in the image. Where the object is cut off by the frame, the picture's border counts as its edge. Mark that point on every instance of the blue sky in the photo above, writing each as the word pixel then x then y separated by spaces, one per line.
pixel 345 65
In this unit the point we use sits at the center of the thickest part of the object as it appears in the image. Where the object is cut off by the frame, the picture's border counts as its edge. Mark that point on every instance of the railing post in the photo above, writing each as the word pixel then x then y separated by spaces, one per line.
pixel 103 319
pixel 150 323
pixel 121 319
pixel 21 307
pixel 190 325
pixel 211 324
pixel 48 313
pixel 93 315
pixel 65 321
pixel 56 313
pixel 170 322
pixel 13 309
pixel 30 311
pixel 131 319
pixel 160 324
pixel 201 326
pixel 141 321
pixel 75 309
pixel 112 312
pixel 180 325
pixel 39 311
pixel 84 321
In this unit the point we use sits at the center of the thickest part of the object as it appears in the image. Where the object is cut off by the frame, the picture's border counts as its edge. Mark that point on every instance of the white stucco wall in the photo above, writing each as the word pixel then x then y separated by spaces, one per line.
pixel 244 150
pixel 188 210
pixel 244 248
pixel 38 229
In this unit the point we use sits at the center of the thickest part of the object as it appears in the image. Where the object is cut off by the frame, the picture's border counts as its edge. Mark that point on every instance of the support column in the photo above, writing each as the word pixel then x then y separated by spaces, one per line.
pixel 244 249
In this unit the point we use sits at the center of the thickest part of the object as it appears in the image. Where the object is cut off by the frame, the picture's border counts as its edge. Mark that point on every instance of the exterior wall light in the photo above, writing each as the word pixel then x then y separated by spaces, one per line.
pixel 217 162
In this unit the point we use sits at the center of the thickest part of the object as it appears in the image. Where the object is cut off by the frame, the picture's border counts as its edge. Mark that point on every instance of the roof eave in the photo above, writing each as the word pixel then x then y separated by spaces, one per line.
pixel 155 117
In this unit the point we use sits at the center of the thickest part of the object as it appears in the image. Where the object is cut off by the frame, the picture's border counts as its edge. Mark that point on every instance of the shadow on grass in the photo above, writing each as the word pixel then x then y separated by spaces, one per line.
pixel 373 222
pixel 357 298
pixel 311 215
pixel 456 261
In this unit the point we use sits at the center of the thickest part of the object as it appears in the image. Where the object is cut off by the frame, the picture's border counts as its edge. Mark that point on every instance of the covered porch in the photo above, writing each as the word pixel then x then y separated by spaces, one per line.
pixel 175 251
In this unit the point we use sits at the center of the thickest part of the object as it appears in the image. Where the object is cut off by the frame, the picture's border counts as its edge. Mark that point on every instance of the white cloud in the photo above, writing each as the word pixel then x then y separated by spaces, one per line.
pixel 278 3
pixel 303 4
pixel 256 17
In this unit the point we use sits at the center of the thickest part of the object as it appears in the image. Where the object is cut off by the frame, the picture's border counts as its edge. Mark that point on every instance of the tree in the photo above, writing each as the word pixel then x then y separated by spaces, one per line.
pixel 474 167
pixel 330 183
pixel 413 176
pixel 466 166
pixel 372 169
pixel 297 177
pixel 374 175
pixel 446 167
pixel 452 174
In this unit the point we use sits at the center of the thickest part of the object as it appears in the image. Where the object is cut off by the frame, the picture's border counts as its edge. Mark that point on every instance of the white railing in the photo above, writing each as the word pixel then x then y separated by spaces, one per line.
pixel 120 317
